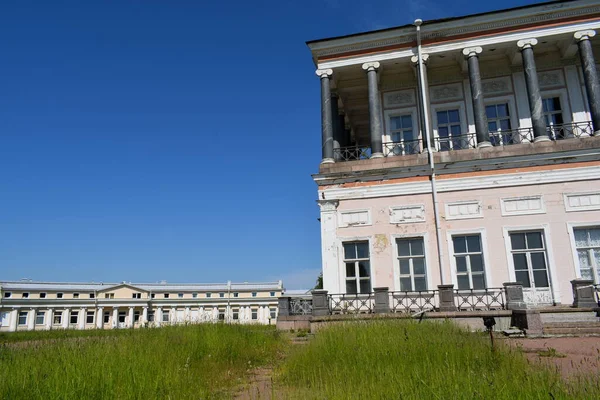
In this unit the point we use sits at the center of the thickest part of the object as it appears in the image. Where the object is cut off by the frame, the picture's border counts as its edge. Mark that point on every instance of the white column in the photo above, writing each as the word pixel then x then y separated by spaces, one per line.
pixel 13 318
pixel 144 315
pixel 115 318
pixel 100 317
pixel 130 321
pixel 65 318
pixel 49 318
pixel 329 247
pixel 82 318
pixel 31 319
pixel 158 316
pixel 186 315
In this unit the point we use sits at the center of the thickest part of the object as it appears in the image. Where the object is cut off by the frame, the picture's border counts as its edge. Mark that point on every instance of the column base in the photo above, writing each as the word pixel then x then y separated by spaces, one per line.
pixel 327 161
pixel 377 155
pixel 484 144
pixel 541 139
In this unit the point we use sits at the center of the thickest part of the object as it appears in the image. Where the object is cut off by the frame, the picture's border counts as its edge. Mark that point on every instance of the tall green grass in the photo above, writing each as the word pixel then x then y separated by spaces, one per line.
pixel 408 360
pixel 180 362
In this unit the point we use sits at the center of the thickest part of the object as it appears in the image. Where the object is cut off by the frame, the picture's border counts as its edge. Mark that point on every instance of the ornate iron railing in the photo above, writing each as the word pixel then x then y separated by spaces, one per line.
pixel 479 299
pixel 513 136
pixel 351 153
pixel 573 130
pixel 351 303
pixel 402 148
pixel 413 302
pixel 300 306
pixel 459 142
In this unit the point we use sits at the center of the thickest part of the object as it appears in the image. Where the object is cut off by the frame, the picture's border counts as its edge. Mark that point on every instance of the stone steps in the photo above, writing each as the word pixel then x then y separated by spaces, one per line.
pixel 572 328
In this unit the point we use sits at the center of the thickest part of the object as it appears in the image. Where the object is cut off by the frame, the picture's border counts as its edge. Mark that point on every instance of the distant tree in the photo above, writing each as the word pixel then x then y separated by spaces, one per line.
pixel 319 284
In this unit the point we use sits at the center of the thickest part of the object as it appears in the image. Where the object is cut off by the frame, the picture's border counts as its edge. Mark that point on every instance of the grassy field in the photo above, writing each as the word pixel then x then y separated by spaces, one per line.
pixel 374 360
pixel 181 362
pixel 407 360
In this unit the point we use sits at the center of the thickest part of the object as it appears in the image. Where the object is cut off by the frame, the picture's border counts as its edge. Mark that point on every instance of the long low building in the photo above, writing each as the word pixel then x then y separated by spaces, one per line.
pixel 31 305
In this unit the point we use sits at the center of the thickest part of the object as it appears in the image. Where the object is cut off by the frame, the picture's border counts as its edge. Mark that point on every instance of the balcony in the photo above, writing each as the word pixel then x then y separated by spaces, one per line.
pixel 466 141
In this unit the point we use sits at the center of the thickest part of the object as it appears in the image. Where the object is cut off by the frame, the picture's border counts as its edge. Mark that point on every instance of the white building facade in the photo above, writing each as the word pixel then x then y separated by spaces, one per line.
pixel 463 152
pixel 28 305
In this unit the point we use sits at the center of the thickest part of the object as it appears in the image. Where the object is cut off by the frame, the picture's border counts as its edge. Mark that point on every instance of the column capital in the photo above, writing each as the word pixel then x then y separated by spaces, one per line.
pixel 328 205
pixel 472 51
pixel 584 35
pixel 527 43
pixel 415 59
pixel 371 66
pixel 324 73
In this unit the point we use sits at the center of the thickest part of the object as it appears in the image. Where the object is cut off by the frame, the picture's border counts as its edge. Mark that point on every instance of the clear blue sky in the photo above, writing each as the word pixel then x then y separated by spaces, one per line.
pixel 149 140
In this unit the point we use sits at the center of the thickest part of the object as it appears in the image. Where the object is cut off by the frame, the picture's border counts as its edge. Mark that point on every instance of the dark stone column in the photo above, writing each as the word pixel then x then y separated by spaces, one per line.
pixel 320 303
pixel 584 293
pixel 481 123
pixel 374 110
pixel 382 300
pixel 590 75
pixel 337 136
pixel 326 118
pixel 422 103
pixel 447 302
pixel 533 90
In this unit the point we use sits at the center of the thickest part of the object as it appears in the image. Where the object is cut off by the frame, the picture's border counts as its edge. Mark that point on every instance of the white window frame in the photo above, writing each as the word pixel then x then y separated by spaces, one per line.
pixel 25 295
pixel 73 314
pixel 571 226
pixel 60 295
pixel 552 273
pixel 59 314
pixel 4 318
pixel 397 112
pixel 43 314
pixel 512 109
pixel 342 264
pixel 565 105
pixel 484 248
pixel 87 314
pixel 254 314
pixel 43 295
pixel 21 314
pixel 460 105
pixel 428 259
pixel 75 295
pixel 7 295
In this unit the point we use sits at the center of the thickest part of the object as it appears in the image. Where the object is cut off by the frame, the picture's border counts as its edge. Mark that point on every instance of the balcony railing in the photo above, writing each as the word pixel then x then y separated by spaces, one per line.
pixel 466 141
pixel 413 302
pixel 300 306
pixel 351 303
pixel 479 299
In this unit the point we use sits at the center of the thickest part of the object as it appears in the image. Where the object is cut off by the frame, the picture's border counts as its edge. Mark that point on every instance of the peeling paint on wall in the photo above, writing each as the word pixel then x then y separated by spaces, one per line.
pixel 381 242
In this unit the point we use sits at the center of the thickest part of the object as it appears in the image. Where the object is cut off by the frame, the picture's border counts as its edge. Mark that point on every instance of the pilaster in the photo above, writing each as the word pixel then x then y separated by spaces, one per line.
pixel 329 245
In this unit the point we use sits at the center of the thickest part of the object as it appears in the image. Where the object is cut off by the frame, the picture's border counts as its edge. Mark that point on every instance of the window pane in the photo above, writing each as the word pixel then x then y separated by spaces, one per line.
pixel 363 269
pixel 442 117
pixel 520 261
pixel 420 283
pixel 349 251
pixel 523 278
pixel 416 247
pixel 408 135
pixel 556 103
pixel 461 264
pixel 350 271
pixel 534 240
pixel 473 244
pixel 492 126
pixel 403 248
pixel 463 282
pixel 404 267
pixel 405 284
pixel 490 111
pixel 419 266
pixel 396 123
pixel 540 278
pixel 443 131
pixel 517 241
pixel 406 121
pixel 502 110
pixel 351 286
pixel 584 259
pixel 581 237
pixel 476 263
pixel 460 244
pixel 453 116
pixel 478 281
pixel 595 237
pixel 362 250
pixel 505 124
pixel 455 130
pixel 365 286
pixel 538 261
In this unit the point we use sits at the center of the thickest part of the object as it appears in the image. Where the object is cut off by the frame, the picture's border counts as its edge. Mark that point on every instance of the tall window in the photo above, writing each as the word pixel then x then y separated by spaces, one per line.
pixel 235 314
pixel 529 257
pixel 402 134
pixel 165 316
pixel 106 317
pixel 89 317
pixel 122 315
pixel 553 117
pixel 358 267
pixel 469 262
pixel 273 313
pixel 411 257
pixel 587 242
pixel 499 124
pixel 74 317
pixel 449 131
pixel 23 317
pixel 57 317
pixel 254 314
pixel 40 316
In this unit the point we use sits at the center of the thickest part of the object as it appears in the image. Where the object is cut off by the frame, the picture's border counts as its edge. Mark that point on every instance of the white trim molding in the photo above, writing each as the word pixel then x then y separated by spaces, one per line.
pixel 587 201
pixel 407 214
pixel 524 205
pixel 464 210
pixel 351 218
